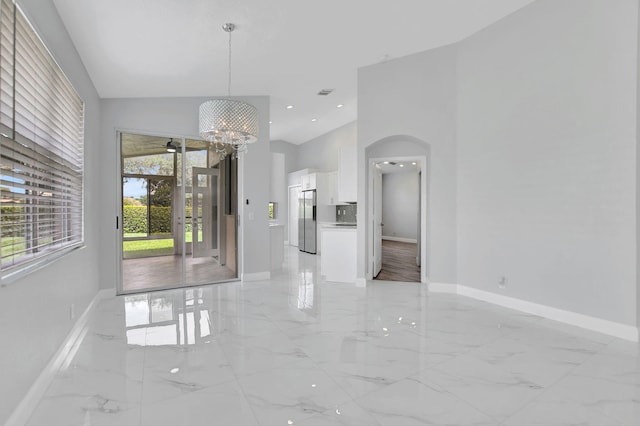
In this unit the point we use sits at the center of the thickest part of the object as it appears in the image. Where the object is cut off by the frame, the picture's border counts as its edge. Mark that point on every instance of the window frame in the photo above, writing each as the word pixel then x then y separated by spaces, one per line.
pixel 49 163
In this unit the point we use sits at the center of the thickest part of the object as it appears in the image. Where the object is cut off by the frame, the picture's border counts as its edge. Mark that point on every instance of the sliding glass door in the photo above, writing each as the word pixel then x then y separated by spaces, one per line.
pixel 178 214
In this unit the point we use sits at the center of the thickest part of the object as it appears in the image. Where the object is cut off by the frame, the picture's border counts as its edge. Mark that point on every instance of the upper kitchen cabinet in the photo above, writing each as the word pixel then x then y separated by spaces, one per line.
pixel 308 181
pixel 327 187
pixel 347 174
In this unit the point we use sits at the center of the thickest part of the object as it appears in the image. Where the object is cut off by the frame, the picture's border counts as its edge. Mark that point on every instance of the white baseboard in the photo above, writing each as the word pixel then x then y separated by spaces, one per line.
pixel 361 282
pixel 400 239
pixel 610 328
pixel 256 276
pixel 63 356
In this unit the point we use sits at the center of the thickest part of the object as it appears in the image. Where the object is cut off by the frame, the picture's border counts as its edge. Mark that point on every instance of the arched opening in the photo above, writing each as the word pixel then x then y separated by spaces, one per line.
pixel 404 151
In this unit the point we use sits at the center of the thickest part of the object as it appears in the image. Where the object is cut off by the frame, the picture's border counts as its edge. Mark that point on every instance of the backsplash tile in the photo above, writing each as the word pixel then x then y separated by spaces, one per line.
pixel 346 213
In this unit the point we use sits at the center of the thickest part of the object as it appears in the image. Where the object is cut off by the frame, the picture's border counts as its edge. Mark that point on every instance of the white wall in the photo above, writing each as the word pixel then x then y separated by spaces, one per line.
pixel 400 204
pixel 547 156
pixel 638 175
pixel 323 152
pixel 279 193
pixel 35 310
pixel 290 152
pixel 179 117
pixel 401 102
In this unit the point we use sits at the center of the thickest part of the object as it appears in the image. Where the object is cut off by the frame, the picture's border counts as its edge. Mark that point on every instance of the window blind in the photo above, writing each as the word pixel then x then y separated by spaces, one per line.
pixel 41 148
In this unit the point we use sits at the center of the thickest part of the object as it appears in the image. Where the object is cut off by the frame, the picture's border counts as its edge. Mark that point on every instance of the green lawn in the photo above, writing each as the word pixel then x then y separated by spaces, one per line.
pixel 131 249
pixel 147 248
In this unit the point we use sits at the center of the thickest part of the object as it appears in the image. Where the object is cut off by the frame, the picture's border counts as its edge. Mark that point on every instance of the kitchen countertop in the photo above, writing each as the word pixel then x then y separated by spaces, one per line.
pixel 339 225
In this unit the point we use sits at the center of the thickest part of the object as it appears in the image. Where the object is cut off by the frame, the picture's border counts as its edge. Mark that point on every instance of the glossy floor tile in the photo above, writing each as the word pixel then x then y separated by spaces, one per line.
pixel 297 350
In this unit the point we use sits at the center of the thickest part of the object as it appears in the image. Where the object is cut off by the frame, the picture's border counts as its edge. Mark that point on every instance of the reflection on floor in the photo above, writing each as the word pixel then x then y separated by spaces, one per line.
pixel 296 350
pixel 166 271
pixel 399 262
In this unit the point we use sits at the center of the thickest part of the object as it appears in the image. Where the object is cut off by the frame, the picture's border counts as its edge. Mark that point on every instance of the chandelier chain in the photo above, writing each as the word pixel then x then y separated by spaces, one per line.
pixel 229 85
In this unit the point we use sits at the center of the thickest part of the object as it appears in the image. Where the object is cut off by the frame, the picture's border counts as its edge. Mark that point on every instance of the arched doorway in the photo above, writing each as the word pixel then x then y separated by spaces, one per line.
pixel 402 150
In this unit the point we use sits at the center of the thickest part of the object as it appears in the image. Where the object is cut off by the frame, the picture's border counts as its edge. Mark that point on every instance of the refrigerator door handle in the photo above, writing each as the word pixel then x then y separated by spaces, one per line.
pixel 314 213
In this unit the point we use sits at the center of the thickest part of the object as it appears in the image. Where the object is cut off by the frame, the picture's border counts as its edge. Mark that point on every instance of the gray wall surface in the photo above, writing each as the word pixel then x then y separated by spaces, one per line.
pixel 532 170
pixel 399 102
pixel 638 171
pixel 323 152
pixel 546 156
pixel 400 204
pixel 279 192
pixel 35 310
pixel 290 152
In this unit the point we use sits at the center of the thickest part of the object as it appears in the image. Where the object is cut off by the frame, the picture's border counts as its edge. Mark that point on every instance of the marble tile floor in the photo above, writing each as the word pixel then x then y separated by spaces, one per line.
pixel 297 350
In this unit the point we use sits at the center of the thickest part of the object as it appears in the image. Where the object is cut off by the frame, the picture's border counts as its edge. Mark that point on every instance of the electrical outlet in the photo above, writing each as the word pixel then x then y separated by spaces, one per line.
pixel 502 282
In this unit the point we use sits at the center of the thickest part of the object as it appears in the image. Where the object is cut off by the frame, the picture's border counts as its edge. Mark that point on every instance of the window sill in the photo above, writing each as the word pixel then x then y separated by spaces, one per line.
pixel 17 272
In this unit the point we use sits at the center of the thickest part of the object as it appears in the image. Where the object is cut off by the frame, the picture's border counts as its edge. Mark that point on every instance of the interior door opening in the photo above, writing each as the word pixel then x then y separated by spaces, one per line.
pixel 396 220
pixel 178 214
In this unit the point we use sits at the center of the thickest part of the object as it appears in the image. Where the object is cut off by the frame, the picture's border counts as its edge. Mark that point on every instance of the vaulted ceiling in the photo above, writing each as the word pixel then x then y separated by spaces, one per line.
pixel 286 49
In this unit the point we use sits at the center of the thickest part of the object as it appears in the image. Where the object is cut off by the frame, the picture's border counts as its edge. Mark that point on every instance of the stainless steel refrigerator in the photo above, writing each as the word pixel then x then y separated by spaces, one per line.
pixel 307 221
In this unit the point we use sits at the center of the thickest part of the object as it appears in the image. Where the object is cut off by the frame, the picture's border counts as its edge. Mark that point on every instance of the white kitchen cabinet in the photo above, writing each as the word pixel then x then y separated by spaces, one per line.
pixel 276 233
pixel 339 249
pixel 308 181
pixel 347 174
pixel 327 187
pixel 325 184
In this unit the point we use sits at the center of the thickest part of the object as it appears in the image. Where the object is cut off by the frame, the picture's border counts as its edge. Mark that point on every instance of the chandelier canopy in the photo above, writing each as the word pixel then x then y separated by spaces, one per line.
pixel 228 124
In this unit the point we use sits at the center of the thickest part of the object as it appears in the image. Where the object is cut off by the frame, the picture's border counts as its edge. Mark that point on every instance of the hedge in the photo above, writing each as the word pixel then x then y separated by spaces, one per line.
pixel 135 219
pixel 12 217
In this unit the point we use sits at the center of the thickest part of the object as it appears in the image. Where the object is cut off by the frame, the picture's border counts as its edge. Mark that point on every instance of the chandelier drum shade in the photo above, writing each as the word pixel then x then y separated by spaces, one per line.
pixel 229 124
pixel 228 121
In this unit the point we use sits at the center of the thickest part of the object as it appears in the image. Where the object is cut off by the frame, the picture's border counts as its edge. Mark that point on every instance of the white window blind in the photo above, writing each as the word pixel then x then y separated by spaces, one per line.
pixel 41 148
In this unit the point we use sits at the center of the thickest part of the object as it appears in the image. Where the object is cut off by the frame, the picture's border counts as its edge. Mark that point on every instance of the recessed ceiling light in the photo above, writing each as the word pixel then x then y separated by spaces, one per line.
pixel 314 119
pixel 271 122
pixel 289 106
pixel 340 106
pixel 385 162
pixel 414 163
pixel 401 165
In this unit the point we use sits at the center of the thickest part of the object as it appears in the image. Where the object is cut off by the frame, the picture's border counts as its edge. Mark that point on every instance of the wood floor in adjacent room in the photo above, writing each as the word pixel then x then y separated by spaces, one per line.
pixel 399 262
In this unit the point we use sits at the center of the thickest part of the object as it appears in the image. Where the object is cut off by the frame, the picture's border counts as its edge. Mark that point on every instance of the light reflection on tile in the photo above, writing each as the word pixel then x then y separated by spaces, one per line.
pixel 298 349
